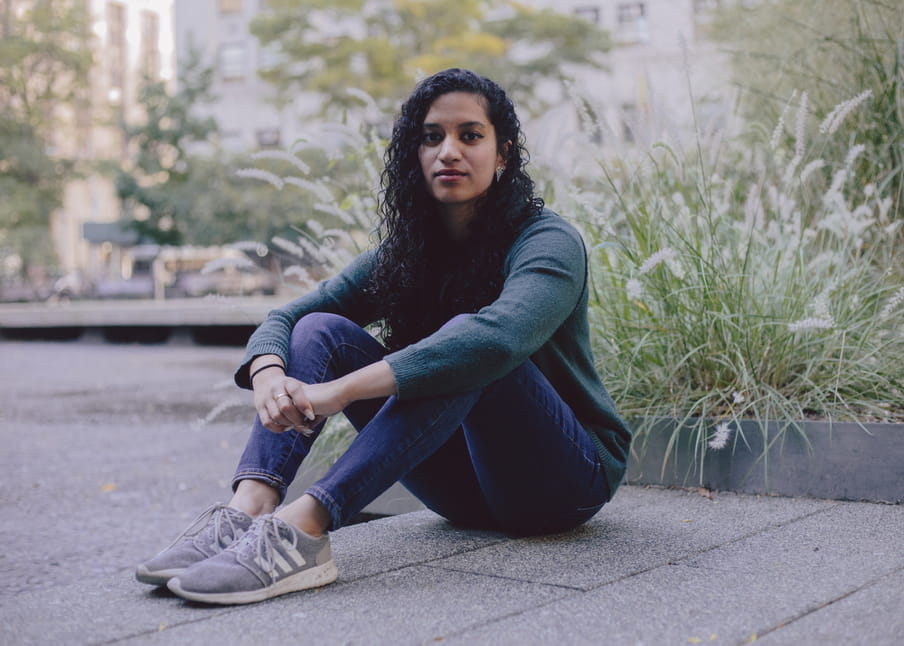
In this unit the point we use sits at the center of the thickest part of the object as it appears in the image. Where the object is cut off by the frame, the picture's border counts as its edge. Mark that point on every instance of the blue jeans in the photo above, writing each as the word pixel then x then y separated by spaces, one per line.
pixel 510 456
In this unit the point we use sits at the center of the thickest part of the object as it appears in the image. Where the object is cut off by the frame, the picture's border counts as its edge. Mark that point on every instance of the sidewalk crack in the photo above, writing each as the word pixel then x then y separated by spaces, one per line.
pixel 826 604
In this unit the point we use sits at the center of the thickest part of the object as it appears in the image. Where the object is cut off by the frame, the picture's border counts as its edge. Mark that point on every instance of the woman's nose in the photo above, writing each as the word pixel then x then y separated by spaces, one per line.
pixel 449 150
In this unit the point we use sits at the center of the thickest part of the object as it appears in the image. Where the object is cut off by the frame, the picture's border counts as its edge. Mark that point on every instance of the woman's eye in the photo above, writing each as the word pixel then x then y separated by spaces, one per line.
pixel 432 137
pixel 472 136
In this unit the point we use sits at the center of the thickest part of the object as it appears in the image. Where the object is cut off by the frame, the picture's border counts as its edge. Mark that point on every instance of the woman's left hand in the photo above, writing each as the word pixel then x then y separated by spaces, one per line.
pixel 326 399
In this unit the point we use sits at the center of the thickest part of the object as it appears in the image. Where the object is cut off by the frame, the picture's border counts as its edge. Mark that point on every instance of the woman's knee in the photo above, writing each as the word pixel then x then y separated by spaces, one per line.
pixel 318 324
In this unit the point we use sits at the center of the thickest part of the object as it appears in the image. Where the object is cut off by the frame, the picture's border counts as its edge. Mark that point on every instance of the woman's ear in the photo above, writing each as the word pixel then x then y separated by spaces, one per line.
pixel 504 150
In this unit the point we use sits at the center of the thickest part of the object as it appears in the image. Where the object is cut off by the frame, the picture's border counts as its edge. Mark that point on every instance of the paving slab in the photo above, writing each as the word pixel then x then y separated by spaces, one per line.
pixel 733 592
pixel 640 530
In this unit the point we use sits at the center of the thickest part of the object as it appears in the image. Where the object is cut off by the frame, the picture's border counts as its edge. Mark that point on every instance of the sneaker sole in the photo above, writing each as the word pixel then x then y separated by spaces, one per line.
pixel 160 577
pixel 311 578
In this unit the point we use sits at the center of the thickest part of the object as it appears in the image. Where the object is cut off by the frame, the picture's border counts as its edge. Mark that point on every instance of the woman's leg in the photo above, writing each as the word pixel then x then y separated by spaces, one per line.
pixel 511 455
pixel 322 347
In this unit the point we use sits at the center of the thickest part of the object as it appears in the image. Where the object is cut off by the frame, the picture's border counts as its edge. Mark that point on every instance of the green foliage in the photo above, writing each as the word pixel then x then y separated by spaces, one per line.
pixel 380 48
pixel 44 62
pixel 158 189
pixel 836 49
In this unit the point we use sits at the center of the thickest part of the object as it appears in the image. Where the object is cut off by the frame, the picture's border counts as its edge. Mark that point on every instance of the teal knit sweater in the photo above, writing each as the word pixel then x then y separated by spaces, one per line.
pixel 541 314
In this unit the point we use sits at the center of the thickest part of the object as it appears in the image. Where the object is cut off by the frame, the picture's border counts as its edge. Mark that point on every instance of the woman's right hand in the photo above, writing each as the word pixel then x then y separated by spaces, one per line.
pixel 281 403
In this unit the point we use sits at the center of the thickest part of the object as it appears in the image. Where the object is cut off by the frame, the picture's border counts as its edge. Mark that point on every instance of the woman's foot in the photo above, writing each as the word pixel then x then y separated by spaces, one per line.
pixel 272 558
pixel 213 531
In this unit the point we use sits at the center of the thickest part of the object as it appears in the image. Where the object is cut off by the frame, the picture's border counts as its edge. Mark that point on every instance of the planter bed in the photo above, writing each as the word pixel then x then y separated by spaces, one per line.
pixel 840 460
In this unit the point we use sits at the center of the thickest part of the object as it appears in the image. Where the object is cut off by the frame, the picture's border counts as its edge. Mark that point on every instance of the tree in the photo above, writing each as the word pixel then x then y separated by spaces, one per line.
pixel 179 187
pixel 44 62
pixel 156 188
pixel 380 47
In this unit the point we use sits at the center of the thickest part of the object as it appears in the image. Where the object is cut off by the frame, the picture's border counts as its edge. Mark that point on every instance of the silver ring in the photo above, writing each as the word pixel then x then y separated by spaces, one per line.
pixel 279 396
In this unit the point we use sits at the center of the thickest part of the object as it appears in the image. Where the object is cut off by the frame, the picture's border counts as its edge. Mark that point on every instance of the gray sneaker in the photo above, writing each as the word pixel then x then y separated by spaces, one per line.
pixel 213 531
pixel 271 559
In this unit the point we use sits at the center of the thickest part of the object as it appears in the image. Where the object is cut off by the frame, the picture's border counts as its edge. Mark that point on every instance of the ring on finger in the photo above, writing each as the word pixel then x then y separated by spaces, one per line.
pixel 281 395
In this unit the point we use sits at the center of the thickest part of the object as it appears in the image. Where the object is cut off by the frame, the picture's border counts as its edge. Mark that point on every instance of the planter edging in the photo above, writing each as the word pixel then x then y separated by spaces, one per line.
pixel 834 460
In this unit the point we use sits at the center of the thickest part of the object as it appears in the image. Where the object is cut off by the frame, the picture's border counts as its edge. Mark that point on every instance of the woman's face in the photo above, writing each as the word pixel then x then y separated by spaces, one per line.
pixel 459 154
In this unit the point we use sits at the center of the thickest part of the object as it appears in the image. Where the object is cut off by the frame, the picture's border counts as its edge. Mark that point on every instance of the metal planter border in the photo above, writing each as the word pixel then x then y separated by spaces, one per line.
pixel 834 460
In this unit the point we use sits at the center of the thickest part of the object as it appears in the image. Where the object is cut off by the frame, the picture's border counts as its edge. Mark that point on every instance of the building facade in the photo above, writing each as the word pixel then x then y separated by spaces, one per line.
pixel 132 41
pixel 219 31
pixel 660 57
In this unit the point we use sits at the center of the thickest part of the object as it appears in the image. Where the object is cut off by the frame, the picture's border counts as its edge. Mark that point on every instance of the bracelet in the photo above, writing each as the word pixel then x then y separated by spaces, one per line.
pixel 262 368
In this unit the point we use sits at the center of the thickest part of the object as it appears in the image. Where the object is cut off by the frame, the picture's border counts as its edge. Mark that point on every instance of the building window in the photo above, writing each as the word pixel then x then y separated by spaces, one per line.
pixel 230 6
pixel 150 45
pixel 631 19
pixel 590 13
pixel 232 61
pixel 116 51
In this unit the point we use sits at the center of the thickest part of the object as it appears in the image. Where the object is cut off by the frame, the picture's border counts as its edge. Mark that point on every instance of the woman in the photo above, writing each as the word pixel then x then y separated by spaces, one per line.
pixel 483 399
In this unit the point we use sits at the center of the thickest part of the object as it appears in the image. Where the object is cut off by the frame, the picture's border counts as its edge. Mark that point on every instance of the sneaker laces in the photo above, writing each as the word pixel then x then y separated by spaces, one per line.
pixel 224 527
pixel 260 541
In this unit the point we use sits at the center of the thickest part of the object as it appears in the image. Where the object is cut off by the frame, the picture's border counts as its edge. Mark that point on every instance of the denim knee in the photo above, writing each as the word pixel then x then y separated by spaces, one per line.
pixel 317 323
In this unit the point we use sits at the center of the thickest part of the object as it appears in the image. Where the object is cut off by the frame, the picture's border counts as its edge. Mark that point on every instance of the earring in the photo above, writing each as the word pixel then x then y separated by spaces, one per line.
pixel 499 171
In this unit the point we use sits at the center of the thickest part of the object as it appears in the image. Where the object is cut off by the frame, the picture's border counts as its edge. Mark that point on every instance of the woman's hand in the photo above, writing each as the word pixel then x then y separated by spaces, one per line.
pixel 283 402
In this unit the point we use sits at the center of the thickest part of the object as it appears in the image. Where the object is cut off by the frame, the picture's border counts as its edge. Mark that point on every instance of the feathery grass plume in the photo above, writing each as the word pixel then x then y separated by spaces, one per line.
pixel 800 127
pixel 780 126
pixel 812 323
pixel 634 289
pixel 259 173
pixel 888 309
pixel 219 409
pixel 810 168
pixel 298 273
pixel 665 255
pixel 792 166
pixel 282 155
pixel 364 97
pixel 318 188
pixel 719 440
pixel 841 111
pixel 332 209
pixel 852 155
pixel 289 246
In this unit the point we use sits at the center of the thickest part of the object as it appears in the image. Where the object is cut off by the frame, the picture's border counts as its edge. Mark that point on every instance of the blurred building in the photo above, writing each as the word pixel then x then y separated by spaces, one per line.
pixel 132 40
pixel 659 49
pixel 660 65
pixel 219 31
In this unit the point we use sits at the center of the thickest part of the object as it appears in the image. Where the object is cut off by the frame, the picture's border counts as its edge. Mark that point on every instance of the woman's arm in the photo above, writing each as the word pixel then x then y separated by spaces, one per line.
pixel 283 402
pixel 342 294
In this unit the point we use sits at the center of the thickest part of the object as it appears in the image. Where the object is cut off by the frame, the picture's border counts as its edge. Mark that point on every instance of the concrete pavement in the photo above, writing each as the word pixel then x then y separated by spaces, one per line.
pixel 106 457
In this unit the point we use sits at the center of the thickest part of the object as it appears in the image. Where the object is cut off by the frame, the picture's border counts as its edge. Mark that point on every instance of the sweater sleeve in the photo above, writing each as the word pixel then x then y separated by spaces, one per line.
pixel 342 294
pixel 544 278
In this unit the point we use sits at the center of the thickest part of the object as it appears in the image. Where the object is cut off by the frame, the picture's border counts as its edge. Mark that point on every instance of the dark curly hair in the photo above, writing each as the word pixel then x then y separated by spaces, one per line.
pixel 422 278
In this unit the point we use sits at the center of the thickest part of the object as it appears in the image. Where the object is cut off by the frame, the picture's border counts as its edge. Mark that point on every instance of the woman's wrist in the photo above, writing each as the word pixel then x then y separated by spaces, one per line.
pixel 265 363
pixel 375 380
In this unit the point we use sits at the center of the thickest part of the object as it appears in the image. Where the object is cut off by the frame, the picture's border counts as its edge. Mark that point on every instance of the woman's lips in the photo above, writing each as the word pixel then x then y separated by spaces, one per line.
pixel 450 175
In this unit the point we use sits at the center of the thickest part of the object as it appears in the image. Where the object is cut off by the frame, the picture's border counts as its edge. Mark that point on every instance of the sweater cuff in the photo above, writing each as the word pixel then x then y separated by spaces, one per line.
pixel 404 367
